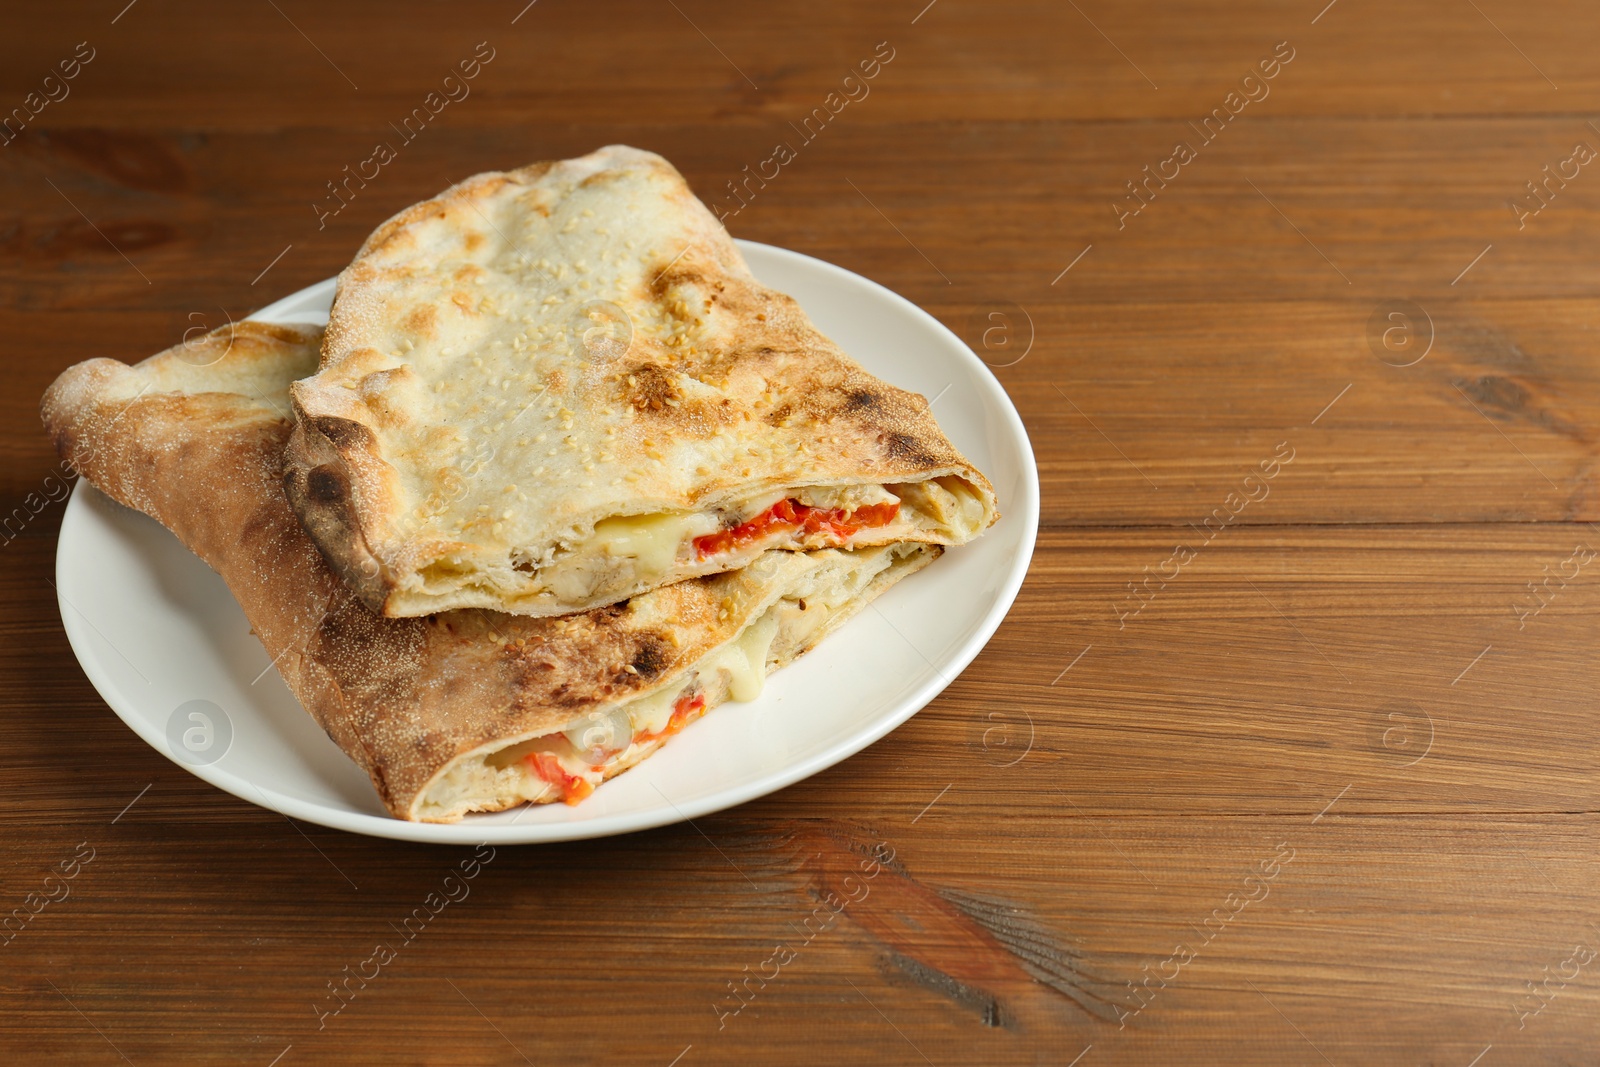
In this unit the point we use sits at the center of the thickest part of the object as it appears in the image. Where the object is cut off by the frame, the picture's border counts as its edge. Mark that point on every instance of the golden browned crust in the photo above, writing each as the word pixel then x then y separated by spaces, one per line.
pixel 459 424
pixel 199 448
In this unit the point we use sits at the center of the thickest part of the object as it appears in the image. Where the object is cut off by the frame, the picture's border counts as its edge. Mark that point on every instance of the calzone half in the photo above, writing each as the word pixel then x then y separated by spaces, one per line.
pixel 558 387
pixel 458 712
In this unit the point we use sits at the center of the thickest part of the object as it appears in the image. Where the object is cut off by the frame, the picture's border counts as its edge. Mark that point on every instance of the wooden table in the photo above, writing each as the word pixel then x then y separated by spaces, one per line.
pixel 1295 769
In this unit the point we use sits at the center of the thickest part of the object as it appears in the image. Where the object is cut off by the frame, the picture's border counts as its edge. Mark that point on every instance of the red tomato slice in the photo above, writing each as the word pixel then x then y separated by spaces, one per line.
pixel 793 515
pixel 573 787
pixel 686 710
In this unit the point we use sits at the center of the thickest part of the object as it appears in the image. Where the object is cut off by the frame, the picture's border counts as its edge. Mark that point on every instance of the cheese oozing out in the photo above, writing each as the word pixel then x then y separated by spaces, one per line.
pixel 624 552
pixel 568 763
pixel 621 552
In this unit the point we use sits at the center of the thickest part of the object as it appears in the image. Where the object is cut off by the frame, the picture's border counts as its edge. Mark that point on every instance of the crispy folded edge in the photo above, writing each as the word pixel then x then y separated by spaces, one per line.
pixel 321 460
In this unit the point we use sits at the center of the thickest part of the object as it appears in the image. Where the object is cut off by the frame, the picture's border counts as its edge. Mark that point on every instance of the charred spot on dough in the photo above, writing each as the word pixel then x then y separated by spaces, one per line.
pixel 651 657
pixel 346 435
pixel 907 447
pixel 859 400
pixel 326 484
pixel 649 387
pixel 779 415
pixel 421 320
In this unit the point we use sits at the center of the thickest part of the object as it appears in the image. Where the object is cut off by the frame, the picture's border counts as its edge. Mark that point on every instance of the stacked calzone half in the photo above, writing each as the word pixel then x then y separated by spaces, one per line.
pixel 555 388
pixel 461 711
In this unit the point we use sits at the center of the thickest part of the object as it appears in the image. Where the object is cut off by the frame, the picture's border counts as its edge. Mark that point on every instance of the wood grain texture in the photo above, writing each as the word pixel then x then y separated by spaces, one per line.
pixel 1279 770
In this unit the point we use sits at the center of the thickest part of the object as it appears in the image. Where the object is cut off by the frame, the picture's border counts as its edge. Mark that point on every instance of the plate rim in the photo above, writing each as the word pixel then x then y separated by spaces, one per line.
pixel 466 831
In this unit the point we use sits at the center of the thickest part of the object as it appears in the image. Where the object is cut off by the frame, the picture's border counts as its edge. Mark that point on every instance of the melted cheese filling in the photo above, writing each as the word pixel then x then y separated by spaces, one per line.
pixel 626 551
pixel 585 748
pixel 608 739
pixel 623 551
pixel 743 661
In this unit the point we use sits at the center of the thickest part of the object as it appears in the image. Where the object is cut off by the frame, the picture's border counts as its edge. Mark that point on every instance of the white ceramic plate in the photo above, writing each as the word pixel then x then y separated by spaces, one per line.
pixel 163 641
